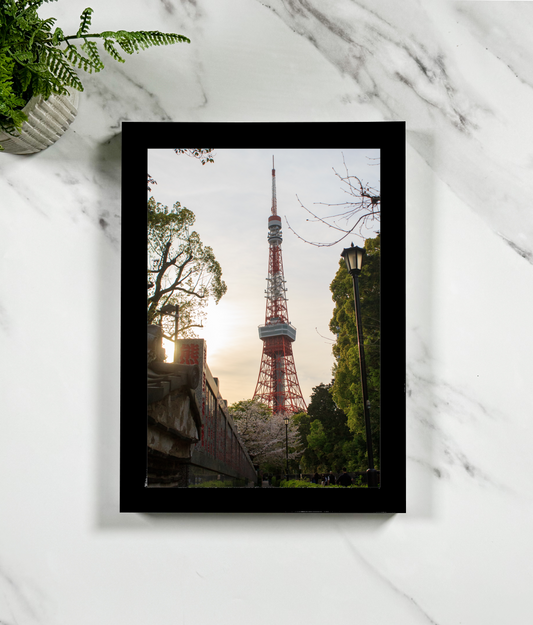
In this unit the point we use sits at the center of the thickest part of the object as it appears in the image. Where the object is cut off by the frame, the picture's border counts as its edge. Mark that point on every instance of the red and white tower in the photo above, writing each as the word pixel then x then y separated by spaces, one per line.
pixel 277 384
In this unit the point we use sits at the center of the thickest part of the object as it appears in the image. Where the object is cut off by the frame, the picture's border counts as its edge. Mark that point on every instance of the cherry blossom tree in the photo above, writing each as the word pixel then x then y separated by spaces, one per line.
pixel 263 434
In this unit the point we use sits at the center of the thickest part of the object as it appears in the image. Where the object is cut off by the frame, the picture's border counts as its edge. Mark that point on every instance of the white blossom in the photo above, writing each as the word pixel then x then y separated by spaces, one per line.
pixel 264 434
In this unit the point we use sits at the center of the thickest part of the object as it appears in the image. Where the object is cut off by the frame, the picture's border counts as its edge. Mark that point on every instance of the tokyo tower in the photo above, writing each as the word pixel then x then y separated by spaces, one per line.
pixel 277 384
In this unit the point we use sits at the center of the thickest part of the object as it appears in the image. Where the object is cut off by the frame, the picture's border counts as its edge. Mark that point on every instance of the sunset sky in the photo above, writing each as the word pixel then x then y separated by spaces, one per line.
pixel 231 199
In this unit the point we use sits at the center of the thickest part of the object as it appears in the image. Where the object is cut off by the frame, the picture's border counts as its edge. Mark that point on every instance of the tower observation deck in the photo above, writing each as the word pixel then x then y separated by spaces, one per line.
pixel 277 384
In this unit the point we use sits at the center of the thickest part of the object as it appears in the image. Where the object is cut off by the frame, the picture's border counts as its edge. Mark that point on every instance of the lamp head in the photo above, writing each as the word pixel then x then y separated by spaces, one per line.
pixel 353 257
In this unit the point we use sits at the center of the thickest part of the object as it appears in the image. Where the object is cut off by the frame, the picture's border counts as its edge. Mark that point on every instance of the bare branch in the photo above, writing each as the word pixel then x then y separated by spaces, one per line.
pixel 365 208
pixel 324 337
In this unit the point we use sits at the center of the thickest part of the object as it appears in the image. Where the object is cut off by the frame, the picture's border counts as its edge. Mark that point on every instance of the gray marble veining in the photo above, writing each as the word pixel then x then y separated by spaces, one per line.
pixel 432 65
pixel 459 74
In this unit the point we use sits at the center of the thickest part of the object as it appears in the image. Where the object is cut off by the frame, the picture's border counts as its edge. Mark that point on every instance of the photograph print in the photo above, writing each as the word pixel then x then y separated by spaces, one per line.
pixel 266 264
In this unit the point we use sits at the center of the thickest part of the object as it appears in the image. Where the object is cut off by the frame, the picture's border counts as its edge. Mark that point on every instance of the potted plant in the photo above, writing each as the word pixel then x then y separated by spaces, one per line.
pixel 38 81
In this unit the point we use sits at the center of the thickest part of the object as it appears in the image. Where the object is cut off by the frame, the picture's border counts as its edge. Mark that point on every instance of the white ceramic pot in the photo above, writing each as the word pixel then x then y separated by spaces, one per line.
pixel 47 121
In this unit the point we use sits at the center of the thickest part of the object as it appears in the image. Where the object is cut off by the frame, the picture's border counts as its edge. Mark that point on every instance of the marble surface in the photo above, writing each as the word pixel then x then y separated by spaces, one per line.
pixel 459 74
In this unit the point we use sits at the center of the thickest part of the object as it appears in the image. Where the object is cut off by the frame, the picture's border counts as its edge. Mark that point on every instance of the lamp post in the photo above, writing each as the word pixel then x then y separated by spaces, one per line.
pixel 168 310
pixel 286 419
pixel 353 257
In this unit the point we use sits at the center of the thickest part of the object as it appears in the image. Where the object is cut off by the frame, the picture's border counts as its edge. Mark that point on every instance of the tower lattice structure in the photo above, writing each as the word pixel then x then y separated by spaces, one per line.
pixel 277 384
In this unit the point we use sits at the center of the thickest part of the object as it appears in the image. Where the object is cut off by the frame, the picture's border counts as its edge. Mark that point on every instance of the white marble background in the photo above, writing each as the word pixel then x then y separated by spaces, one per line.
pixel 460 74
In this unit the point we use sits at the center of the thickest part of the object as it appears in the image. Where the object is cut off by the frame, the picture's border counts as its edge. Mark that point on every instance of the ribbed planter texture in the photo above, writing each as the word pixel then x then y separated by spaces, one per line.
pixel 47 122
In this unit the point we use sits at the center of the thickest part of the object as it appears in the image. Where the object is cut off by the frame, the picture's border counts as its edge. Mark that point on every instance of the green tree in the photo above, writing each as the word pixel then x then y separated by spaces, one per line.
pixel 324 427
pixel 346 389
pixel 181 269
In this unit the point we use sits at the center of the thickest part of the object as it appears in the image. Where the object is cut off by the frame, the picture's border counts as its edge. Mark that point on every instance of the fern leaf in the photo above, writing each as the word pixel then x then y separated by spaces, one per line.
pixel 61 70
pixel 42 86
pixel 160 39
pixel 41 33
pixel 22 57
pixel 25 78
pixel 85 22
pixel 11 117
pixel 9 8
pixel 91 49
pixel 57 37
pixel 135 41
pixel 144 38
pixel 73 55
pixel 110 49
pixel 128 45
pixel 47 24
pixel 19 118
pixel 156 38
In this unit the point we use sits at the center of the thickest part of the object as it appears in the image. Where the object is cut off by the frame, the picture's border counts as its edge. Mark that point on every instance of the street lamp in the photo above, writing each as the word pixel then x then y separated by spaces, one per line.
pixel 286 419
pixel 168 310
pixel 353 257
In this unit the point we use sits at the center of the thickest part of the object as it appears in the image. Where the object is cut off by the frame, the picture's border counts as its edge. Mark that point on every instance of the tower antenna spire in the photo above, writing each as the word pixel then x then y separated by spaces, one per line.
pixel 277 384
pixel 274 200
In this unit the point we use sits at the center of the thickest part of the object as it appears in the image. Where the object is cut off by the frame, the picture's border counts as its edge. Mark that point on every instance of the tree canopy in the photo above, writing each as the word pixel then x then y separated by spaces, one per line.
pixel 333 429
pixel 204 155
pixel 346 389
pixel 263 434
pixel 181 269
pixel 330 444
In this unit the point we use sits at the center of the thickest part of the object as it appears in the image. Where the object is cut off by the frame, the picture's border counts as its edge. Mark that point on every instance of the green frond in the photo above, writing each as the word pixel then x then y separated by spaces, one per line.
pixel 33 63
pixel 128 45
pixel 156 38
pixel 32 4
pixel 85 22
pixel 22 57
pixel 130 41
pixel 8 9
pixel 82 62
pixel 18 118
pixel 110 49
pixel 93 56
pixel 72 54
pixel 42 86
pixel 57 37
pixel 42 32
pixel 25 78
pixel 11 117
pixel 60 69
pixel 48 23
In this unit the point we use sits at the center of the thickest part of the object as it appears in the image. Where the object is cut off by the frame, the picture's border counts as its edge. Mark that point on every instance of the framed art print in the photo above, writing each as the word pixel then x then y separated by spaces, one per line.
pixel 270 270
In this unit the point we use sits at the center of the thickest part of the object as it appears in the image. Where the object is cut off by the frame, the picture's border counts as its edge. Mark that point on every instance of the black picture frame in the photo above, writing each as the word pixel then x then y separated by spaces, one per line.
pixel 137 139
